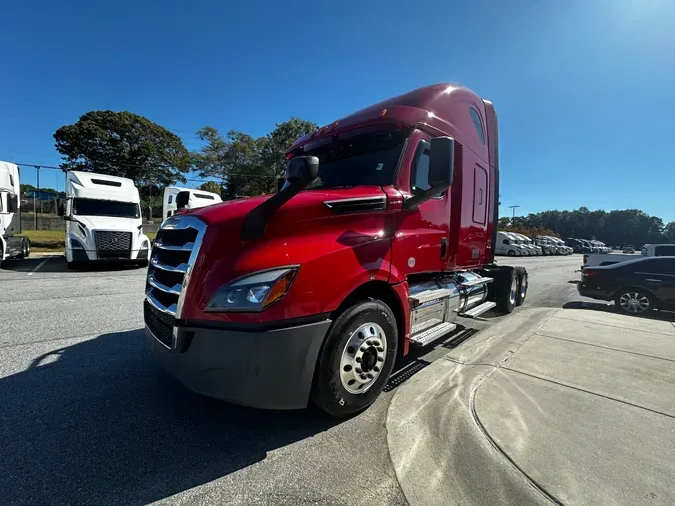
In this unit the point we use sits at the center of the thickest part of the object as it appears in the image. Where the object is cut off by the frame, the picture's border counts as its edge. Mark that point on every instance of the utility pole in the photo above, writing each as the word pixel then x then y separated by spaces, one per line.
pixel 514 211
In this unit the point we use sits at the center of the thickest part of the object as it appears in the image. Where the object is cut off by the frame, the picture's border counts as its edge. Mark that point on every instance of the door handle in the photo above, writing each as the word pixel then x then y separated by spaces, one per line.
pixel 444 246
pixel 653 280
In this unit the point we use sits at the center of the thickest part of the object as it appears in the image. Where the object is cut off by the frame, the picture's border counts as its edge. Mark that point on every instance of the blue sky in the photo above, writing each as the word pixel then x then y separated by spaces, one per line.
pixel 585 90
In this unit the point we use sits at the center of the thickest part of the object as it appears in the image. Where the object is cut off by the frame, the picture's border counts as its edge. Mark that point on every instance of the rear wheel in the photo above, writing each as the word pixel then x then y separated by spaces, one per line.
pixel 634 301
pixel 522 286
pixel 356 359
pixel 506 291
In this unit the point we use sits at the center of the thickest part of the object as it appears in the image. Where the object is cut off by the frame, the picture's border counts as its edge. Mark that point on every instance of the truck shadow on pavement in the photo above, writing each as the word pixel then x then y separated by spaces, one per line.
pixel 609 307
pixel 98 422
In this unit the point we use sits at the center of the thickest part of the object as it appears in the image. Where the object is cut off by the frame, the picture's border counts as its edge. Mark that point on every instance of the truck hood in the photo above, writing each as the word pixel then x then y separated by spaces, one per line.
pixel 314 229
pixel 109 223
pixel 307 206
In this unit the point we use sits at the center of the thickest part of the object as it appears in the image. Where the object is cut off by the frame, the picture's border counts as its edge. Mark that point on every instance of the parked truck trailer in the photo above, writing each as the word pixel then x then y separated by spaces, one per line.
pixel 12 244
pixel 384 236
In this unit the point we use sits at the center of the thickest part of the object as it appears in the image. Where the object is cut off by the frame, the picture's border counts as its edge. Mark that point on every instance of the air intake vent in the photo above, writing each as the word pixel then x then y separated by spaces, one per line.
pixel 357 205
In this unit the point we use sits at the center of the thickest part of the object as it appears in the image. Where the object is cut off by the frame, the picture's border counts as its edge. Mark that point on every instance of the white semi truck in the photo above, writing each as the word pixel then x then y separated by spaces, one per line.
pixel 507 245
pixel 12 245
pixel 192 199
pixel 103 220
pixel 527 242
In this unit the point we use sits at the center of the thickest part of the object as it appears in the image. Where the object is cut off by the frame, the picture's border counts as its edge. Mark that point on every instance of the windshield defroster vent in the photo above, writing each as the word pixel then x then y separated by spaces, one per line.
pixel 357 205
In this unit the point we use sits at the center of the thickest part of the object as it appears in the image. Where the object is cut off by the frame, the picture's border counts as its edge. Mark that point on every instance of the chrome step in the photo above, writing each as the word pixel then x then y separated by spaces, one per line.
pixel 424 338
pixel 476 282
pixel 429 295
pixel 478 310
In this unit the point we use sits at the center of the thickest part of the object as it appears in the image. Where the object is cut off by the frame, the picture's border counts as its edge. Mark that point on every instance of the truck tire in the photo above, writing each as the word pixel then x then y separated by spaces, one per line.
pixel 523 285
pixel 356 359
pixel 25 248
pixel 506 291
pixel 143 263
pixel 72 266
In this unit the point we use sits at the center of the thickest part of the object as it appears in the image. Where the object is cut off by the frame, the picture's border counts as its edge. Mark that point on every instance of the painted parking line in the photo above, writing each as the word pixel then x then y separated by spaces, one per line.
pixel 38 267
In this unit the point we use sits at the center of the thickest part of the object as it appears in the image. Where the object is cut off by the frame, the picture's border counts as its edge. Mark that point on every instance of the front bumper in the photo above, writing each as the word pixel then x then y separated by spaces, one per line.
pixel 270 369
pixel 82 256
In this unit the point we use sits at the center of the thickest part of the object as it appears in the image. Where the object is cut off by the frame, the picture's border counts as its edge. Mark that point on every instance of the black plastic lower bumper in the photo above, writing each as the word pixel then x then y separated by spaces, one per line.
pixel 586 291
pixel 263 369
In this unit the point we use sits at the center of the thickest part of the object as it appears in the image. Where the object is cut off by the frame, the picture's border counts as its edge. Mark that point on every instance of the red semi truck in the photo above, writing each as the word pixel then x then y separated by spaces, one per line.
pixel 383 235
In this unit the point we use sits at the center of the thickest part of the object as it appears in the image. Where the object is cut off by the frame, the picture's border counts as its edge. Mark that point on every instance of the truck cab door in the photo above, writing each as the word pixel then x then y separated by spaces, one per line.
pixel 421 242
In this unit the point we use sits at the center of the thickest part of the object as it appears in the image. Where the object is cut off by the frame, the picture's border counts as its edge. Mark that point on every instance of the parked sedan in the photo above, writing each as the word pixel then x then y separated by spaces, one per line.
pixel 636 286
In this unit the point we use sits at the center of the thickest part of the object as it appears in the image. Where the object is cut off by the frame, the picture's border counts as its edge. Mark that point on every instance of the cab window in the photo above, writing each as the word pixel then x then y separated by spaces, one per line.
pixel 419 175
pixel 478 123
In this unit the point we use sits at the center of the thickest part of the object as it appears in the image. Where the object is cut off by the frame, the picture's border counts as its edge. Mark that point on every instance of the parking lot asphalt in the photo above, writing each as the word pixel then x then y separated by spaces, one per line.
pixel 87 417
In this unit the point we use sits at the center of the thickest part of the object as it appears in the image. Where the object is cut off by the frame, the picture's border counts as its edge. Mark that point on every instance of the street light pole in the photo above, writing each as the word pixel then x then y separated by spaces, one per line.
pixel 514 211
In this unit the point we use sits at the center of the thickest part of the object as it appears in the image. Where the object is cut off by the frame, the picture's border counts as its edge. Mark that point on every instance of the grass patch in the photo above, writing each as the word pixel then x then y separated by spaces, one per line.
pixel 45 241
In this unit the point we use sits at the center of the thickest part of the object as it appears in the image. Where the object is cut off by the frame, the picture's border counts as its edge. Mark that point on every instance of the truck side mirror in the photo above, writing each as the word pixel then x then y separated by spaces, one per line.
pixel 441 161
pixel 301 171
pixel 61 208
pixel 280 183
pixel 302 168
pixel 182 200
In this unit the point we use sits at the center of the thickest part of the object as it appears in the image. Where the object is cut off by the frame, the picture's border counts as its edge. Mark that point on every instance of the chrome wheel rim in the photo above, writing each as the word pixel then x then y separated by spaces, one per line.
pixel 634 302
pixel 514 290
pixel 363 358
pixel 523 287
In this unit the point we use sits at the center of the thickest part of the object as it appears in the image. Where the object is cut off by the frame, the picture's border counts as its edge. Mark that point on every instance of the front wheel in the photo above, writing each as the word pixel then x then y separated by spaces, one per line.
pixel 356 359
pixel 511 253
pixel 634 301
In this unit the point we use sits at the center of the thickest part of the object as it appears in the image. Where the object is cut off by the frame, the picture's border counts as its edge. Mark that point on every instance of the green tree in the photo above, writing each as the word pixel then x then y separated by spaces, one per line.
pixel 244 165
pixel 229 159
pixel 669 232
pixel 211 186
pixel 123 144
pixel 618 227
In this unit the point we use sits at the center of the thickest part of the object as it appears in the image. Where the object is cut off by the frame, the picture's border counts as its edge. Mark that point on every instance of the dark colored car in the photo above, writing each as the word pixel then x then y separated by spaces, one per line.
pixel 636 286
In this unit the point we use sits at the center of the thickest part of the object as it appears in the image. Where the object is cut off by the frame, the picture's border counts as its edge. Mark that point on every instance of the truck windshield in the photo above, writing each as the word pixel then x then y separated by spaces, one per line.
pixel 94 207
pixel 368 159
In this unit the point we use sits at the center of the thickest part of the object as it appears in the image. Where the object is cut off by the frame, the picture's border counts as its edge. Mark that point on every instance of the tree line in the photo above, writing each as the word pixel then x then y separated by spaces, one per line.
pixel 615 228
pixel 128 145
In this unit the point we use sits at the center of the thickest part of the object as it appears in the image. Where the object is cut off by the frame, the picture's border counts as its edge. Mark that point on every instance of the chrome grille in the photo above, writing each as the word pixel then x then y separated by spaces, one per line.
pixel 112 244
pixel 173 255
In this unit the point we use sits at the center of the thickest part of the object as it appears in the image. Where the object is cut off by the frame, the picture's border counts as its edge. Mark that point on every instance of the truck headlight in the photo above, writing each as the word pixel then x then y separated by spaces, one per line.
pixel 254 292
